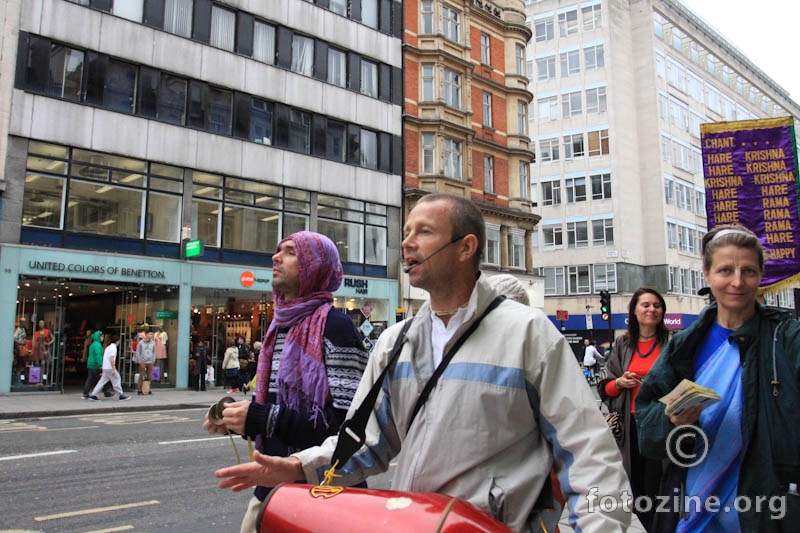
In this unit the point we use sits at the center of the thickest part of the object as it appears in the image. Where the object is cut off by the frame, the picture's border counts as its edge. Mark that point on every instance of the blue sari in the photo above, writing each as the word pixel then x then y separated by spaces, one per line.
pixel 717 366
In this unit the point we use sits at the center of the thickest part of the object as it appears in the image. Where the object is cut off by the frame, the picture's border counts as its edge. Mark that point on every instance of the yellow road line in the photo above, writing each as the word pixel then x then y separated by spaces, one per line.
pixel 95 510
pixel 112 529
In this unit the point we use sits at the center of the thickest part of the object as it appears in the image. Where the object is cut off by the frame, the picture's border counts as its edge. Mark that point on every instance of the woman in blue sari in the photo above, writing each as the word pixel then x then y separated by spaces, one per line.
pixel 743 475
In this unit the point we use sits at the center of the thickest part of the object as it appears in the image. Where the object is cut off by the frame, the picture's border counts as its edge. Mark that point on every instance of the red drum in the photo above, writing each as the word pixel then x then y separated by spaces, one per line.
pixel 311 509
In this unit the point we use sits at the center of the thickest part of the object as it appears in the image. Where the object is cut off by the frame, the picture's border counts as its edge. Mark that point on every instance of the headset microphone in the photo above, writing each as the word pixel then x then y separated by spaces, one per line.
pixel 452 241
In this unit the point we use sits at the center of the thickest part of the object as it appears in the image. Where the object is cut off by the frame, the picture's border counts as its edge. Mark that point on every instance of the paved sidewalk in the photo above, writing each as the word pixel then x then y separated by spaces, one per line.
pixel 42 404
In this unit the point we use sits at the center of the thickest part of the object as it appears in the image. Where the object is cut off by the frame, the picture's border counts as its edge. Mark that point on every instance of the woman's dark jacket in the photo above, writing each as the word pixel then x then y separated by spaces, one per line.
pixel 769 346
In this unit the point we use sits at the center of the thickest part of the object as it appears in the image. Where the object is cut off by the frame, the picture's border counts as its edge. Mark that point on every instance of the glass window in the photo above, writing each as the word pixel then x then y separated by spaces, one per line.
pixel 554 281
pixel 428 151
pixel 66 73
pixel 347 236
pixel 163 217
pixel 337 67
pixel 544 30
pixel 598 143
pixel 205 222
pixel 552 236
pixel 573 146
pixel 450 23
pixel 487 108
pixel 178 17
pixel 452 88
pixel 516 249
pixel 551 192
pixel 105 209
pixel 522 117
pixel 369 13
pixel 593 57
pixel 338 6
pixel 486 57
pixel 335 136
pixel 603 232
pixel 261 121
pixel 488 173
pixel 601 186
pixel 548 109
pixel 576 189
pixel 120 86
pixel 220 111
pixel 452 158
pixel 302 55
pixel 596 100
pixel 427 83
pixel 223 28
pixel 577 234
pixel 546 68
pixel 375 245
pixel 299 131
pixel 426 17
pixel 172 99
pixel 492 253
pixel 568 23
pixel 592 17
pixel 369 149
pixel 254 230
pixel 605 277
pixel 524 181
pixel 570 63
pixel 369 78
pixel 264 42
pixel 42 199
pixel 519 55
pixel 549 150
pixel 571 104
pixel 131 10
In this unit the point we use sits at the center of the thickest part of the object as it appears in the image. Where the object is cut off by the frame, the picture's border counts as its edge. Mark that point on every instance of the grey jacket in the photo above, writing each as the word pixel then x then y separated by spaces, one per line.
pixel 146 351
pixel 511 405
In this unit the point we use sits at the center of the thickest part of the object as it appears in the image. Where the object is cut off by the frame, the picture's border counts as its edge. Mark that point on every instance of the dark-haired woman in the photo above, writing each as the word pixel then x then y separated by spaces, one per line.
pixel 632 357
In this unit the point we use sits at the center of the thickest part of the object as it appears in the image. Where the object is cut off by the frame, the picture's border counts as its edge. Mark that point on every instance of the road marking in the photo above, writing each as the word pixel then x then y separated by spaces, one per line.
pixel 190 440
pixel 95 510
pixel 137 418
pixel 29 455
pixel 112 529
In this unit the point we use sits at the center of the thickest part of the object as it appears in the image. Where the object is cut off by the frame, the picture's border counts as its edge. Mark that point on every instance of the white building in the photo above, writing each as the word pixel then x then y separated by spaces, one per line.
pixel 621 89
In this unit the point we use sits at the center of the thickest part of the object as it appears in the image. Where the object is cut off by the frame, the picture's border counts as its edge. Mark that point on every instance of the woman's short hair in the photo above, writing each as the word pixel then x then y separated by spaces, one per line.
pixel 730 235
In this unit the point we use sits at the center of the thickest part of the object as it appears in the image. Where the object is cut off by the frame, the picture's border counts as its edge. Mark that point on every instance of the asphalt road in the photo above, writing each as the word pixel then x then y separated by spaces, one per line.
pixel 145 471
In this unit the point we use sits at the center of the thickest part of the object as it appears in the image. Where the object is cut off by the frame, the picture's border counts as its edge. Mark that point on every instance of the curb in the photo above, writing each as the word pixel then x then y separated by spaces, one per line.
pixel 125 408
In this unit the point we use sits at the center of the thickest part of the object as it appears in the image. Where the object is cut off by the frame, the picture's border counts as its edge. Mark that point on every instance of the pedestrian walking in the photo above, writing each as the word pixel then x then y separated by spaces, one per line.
pixel 110 373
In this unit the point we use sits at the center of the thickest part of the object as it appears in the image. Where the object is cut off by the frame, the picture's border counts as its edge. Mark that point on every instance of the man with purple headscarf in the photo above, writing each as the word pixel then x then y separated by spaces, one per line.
pixel 310 362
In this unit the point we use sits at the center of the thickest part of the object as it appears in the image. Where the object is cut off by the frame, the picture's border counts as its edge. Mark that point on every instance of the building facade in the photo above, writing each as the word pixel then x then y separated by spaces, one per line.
pixel 131 127
pixel 465 120
pixel 621 89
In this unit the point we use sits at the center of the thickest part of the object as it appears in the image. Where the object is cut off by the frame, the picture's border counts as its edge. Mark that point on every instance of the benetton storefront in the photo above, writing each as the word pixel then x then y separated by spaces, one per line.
pixel 51 300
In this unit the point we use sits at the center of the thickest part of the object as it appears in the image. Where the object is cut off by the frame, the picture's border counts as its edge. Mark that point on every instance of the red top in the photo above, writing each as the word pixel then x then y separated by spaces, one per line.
pixel 638 365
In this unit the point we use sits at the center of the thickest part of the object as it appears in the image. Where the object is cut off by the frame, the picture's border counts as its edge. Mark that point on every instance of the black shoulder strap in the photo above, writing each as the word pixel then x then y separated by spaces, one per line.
pixel 423 397
pixel 352 432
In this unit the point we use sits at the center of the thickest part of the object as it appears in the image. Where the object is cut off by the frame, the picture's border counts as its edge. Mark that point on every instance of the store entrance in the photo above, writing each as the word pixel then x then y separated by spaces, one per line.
pixel 221 316
pixel 55 317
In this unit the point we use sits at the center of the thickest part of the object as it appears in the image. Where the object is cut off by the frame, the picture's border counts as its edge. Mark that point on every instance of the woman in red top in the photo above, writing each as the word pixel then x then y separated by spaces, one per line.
pixel 633 355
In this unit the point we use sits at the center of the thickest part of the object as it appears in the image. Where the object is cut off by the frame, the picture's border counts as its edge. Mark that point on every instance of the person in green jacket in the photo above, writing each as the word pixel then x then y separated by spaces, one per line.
pixel 94 363
pixel 734 465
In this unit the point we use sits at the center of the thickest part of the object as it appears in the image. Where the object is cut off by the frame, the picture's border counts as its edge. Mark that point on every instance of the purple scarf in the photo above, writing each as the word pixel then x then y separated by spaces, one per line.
pixel 302 381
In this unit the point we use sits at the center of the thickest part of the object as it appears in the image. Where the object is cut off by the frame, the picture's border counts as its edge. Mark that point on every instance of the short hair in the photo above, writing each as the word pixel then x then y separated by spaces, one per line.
pixel 466 219
pixel 114 338
pixel 730 235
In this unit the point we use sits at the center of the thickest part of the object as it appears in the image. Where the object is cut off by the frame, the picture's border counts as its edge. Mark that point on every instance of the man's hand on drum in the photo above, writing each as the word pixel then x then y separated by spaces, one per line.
pixel 264 471
pixel 234 417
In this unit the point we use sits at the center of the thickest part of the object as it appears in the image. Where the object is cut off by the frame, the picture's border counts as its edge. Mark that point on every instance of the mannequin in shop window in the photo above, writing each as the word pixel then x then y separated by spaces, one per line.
pixel 42 341
pixel 20 346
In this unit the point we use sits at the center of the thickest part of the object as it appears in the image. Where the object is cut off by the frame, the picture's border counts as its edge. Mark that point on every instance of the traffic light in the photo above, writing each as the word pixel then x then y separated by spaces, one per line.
pixel 605 305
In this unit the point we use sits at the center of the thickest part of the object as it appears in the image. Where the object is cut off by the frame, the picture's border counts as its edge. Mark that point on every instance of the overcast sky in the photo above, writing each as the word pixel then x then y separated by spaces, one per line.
pixel 764 31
